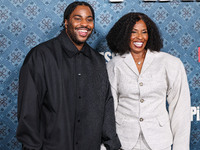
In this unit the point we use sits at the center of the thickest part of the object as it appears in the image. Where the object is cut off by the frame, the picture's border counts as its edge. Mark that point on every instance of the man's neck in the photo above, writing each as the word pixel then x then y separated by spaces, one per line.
pixel 78 46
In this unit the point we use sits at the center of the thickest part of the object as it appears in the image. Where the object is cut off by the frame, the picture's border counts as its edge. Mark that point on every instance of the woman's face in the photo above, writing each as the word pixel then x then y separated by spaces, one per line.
pixel 139 37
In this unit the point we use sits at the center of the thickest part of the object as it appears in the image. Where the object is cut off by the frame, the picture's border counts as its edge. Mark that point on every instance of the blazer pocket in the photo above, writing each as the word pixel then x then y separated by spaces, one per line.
pixel 163 119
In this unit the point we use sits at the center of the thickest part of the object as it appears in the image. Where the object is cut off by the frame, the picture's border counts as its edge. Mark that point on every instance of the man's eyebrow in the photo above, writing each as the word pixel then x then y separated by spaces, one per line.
pixel 90 16
pixel 81 16
pixel 76 15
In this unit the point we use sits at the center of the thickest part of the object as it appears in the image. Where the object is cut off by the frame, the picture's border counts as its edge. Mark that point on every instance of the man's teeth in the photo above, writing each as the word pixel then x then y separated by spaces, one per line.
pixel 139 44
pixel 82 30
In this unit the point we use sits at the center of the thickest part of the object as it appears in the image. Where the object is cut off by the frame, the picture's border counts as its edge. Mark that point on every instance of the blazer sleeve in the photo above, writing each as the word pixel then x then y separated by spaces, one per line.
pixel 109 136
pixel 31 92
pixel 178 98
pixel 112 73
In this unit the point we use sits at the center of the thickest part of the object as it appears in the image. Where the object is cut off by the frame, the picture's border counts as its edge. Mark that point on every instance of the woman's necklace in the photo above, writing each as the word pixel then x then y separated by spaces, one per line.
pixel 140 60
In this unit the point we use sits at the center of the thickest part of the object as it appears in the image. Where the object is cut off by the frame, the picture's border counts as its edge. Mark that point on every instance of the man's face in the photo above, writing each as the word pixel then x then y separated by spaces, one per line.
pixel 80 25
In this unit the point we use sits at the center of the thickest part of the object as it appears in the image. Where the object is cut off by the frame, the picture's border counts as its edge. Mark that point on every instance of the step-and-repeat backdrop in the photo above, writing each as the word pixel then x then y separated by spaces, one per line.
pixel 26 23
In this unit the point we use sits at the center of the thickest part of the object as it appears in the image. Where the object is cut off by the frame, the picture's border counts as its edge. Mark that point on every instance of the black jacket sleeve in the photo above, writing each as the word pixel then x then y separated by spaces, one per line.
pixel 110 138
pixel 31 93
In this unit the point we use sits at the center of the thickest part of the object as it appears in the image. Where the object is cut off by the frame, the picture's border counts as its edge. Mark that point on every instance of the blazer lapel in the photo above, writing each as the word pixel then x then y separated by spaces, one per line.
pixel 129 61
pixel 148 60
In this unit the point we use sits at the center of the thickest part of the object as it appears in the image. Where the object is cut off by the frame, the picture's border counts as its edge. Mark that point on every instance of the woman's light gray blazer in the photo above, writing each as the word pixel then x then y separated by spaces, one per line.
pixel 140 101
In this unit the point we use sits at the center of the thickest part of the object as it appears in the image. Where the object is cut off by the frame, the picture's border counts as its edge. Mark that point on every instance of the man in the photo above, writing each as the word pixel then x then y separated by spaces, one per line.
pixel 64 101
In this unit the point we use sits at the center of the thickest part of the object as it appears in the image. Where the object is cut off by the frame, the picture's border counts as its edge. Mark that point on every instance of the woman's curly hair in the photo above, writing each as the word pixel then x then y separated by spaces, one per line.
pixel 118 37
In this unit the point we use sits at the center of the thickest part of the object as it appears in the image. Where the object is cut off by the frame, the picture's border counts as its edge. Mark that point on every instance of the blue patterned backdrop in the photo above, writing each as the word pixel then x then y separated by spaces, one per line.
pixel 26 23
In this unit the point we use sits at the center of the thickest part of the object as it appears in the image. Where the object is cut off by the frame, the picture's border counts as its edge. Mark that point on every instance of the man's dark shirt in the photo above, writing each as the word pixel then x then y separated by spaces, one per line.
pixel 64 100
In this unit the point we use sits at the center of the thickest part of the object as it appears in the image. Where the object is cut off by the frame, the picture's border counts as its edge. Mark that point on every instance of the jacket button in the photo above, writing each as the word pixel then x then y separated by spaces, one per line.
pixel 141 119
pixel 142 100
pixel 141 84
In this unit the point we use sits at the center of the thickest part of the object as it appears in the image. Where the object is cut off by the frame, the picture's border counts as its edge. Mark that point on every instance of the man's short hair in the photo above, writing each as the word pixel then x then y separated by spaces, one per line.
pixel 70 8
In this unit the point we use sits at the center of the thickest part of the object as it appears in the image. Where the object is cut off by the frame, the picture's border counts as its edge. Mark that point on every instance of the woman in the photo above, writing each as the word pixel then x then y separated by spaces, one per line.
pixel 143 80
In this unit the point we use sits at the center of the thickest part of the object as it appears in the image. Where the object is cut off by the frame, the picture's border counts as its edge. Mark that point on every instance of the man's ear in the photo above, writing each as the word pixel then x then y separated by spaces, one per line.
pixel 66 23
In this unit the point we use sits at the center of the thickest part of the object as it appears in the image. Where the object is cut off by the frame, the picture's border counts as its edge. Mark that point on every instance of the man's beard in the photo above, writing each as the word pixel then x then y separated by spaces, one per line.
pixel 74 38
